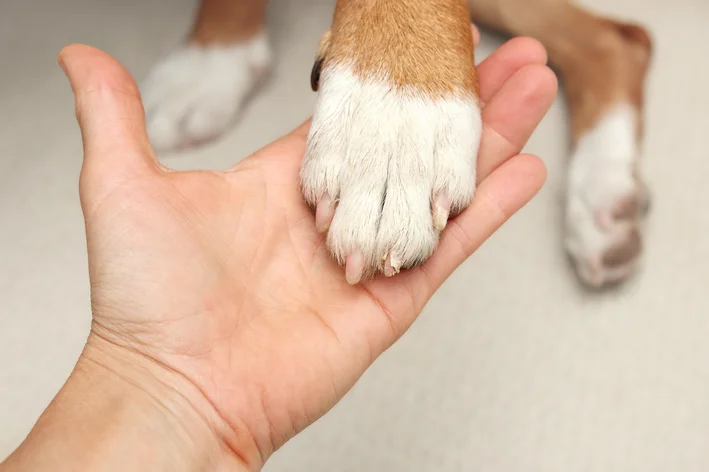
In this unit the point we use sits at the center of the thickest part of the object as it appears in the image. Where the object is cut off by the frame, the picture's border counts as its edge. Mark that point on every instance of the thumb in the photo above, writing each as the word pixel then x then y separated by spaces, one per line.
pixel 111 118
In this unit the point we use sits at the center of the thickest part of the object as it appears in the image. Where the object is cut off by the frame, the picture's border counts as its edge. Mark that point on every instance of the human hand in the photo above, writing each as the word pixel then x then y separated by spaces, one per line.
pixel 218 285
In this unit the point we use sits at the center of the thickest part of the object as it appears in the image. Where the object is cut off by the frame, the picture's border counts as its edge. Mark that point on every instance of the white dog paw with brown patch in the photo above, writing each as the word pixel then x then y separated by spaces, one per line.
pixel 392 147
pixel 385 168
pixel 606 199
pixel 196 92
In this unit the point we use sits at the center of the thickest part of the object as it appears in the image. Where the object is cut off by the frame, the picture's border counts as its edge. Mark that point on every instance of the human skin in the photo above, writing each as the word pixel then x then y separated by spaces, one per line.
pixel 221 327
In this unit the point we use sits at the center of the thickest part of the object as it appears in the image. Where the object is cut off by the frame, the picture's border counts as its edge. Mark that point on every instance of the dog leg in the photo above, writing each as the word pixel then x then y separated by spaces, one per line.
pixel 195 92
pixel 603 64
pixel 393 143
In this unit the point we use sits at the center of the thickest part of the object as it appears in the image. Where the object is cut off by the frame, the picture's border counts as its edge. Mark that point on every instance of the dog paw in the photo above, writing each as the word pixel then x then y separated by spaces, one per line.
pixel 195 93
pixel 606 201
pixel 385 167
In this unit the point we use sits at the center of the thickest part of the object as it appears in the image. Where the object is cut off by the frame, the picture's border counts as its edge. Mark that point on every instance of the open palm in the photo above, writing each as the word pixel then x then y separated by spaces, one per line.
pixel 222 276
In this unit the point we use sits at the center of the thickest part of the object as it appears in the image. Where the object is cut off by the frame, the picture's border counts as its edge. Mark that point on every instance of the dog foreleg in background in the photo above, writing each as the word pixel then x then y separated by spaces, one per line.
pixel 603 64
pixel 196 91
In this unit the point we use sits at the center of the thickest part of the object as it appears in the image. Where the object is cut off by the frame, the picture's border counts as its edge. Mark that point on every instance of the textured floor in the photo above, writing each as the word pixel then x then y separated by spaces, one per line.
pixel 511 367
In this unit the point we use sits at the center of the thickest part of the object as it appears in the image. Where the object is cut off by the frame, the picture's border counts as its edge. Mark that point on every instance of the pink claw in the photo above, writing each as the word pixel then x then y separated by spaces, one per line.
pixel 392 266
pixel 441 210
pixel 324 213
pixel 354 268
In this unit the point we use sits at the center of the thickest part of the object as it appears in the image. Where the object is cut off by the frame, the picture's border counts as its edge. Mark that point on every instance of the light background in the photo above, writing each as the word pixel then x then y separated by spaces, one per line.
pixel 510 368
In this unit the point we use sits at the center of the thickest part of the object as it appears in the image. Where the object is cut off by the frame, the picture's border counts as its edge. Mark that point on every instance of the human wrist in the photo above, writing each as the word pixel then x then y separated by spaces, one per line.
pixel 118 412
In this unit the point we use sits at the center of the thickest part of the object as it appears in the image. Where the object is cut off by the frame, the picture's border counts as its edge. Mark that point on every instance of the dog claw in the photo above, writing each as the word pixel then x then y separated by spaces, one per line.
pixel 324 213
pixel 354 268
pixel 392 265
pixel 441 210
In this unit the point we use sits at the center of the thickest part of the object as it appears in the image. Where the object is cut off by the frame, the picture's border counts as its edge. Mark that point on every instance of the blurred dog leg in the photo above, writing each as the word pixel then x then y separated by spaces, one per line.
pixel 196 92
pixel 603 64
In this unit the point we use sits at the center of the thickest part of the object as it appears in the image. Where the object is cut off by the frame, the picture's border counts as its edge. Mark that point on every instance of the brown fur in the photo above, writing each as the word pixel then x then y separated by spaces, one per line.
pixel 409 41
pixel 602 61
pixel 227 21
pixel 419 44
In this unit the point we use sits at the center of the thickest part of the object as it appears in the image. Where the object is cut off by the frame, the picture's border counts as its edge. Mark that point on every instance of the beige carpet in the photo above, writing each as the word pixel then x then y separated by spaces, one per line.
pixel 511 368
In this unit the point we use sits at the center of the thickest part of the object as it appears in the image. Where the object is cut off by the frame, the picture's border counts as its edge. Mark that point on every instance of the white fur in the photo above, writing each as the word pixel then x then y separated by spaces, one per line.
pixel 384 154
pixel 196 92
pixel 600 175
